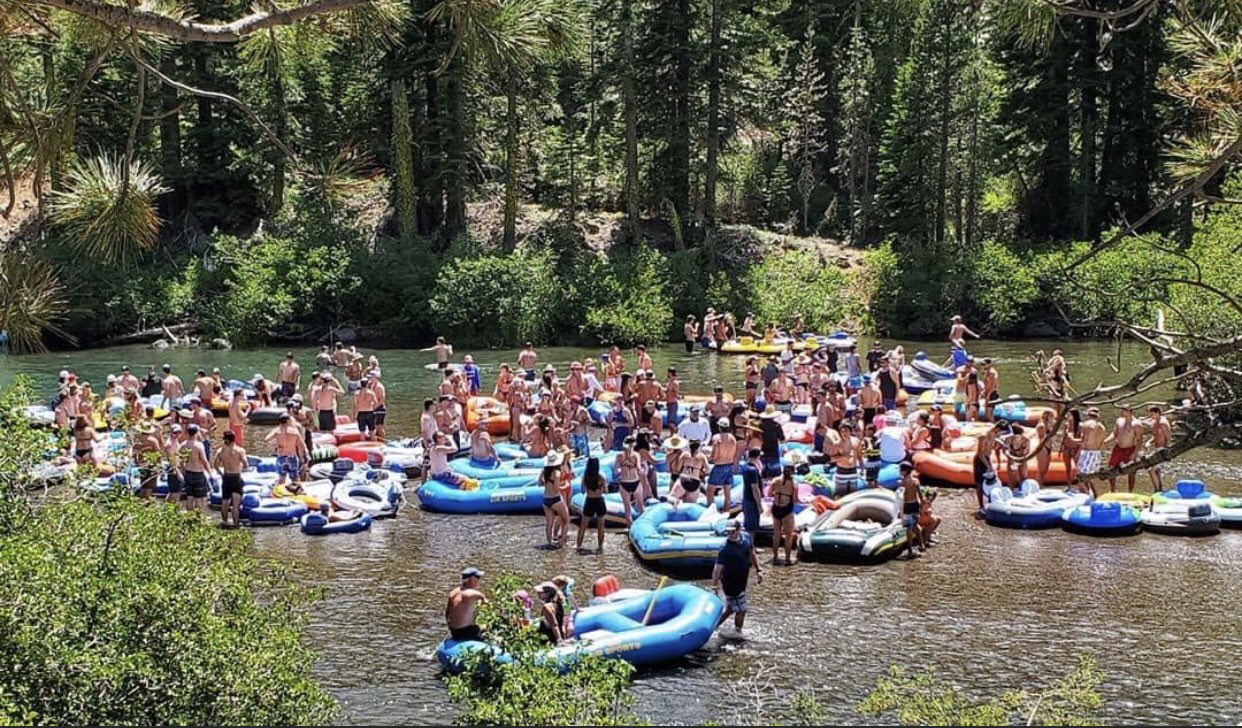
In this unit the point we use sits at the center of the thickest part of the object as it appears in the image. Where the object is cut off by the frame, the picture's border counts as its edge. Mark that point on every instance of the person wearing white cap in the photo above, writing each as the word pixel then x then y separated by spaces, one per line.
pixel 555 512
pixel 723 460
pixel 694 427
pixel 463 604
pixel 958 332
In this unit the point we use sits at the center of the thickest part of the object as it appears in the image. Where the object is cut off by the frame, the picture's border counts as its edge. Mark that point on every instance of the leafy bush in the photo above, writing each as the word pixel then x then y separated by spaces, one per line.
pixel 632 304
pixel 1215 251
pixel 498 300
pixel 1003 287
pixel 791 282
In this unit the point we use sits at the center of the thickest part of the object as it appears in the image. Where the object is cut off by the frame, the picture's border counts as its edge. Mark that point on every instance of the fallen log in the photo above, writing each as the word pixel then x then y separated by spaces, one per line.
pixel 146 336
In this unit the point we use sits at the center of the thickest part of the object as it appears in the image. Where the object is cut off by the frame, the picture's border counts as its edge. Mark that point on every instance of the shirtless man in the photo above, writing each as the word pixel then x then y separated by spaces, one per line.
pixel 647 389
pixel 1161 437
pixel 427 424
pixel 323 359
pixel 911 505
pixel 575 384
pixel 172 388
pixel 723 460
pixel 364 410
pixel 127 380
pixel 238 409
pixel 1094 435
pixel 447 420
pixel 206 421
pixel 463 604
pixel 526 361
pixel 825 415
pixel 381 403
pixel 172 455
pixel 203 385
pixel 289 375
pixel 340 355
pixel 68 409
pixel 958 332
pixel 323 401
pixel 780 392
pixel 231 461
pixel 197 468
pixel 290 448
pixel 443 352
pixel 869 399
pixel 1126 436
pixel 717 409
pixel 146 454
pixel 846 454
pixel 989 381
pixel 672 397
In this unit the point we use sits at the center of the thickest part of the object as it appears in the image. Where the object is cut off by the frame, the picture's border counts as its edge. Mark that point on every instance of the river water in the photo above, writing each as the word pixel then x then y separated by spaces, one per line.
pixel 988 609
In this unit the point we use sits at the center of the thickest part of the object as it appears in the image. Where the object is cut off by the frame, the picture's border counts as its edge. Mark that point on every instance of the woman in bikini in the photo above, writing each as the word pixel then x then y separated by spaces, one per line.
pixel 752 377
pixel 692 471
pixel 1018 449
pixel 1071 443
pixel 537 437
pixel 627 466
pixel 555 512
pixel 84 440
pixel 784 493
pixel 1043 458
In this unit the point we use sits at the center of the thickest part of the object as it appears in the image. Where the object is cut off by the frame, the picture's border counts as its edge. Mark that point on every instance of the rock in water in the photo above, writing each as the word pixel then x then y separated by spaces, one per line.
pixel 159 344
pixel 221 344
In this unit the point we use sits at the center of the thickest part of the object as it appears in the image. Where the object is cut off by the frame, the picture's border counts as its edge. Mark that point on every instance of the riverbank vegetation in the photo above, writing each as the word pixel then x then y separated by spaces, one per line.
pixel 586 171
pixel 121 612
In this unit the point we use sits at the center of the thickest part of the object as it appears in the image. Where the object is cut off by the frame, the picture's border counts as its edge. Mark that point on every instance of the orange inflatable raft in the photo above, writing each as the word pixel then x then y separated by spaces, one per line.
pixel 489 413
pixel 957 468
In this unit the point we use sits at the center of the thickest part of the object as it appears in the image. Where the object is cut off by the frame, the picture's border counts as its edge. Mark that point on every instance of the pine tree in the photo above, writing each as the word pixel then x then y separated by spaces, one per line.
pixel 857 109
pixel 403 164
pixel 805 133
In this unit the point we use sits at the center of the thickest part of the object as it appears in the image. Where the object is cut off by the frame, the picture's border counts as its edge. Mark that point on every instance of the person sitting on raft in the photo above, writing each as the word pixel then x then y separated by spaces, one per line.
pixel 551 613
pixel 438 465
pixel 463 605
pixel 482 453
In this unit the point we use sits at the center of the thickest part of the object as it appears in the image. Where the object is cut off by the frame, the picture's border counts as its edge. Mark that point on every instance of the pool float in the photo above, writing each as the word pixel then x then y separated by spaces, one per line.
pixel 342 468
pixel 685 537
pixel 323 438
pixel 314 493
pixel 665 625
pixel 324 453
pixel 957 468
pixel 317 523
pixel 1137 501
pixel 489 413
pixel 866 527
pixel 39 415
pixel 516 494
pixel 1031 507
pixel 615 507
pixel 1015 410
pixel 1182 518
pixel 1185 490
pixel 752 345
pixel 929 370
pixel 257 510
pixel 799 432
pixel 265 415
pixel 949 400
pixel 347 431
pixel 1102 518
pixel 359 451
pixel 1229 509
pixel 378 499
pixel 914 382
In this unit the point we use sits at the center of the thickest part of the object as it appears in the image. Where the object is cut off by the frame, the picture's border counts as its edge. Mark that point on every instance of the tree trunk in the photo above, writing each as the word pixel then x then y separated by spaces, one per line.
pixel 1088 227
pixel 281 127
pixel 429 160
pixel 172 204
pixel 629 100
pixel 455 214
pixel 680 151
pixel 511 167
pixel 942 171
pixel 713 115
pixel 406 195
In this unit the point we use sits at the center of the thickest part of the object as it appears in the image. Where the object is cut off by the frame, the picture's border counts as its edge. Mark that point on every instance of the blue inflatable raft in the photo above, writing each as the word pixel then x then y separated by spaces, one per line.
pixel 1102 519
pixel 683 618
pixel 317 524
pixel 1032 508
pixel 677 537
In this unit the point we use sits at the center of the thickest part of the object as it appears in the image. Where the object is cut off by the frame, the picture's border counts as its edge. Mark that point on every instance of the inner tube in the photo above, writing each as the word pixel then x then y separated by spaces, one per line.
pixel 865 528
pixel 1186 518
pixel 271 511
pixel 265 415
pixel 370 497
pixel 317 524
pixel 1033 508
pixel 1102 518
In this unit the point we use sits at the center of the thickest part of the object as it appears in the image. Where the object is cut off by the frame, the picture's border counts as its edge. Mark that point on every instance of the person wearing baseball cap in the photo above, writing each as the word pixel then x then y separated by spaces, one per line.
pixel 463 605
pixel 731 572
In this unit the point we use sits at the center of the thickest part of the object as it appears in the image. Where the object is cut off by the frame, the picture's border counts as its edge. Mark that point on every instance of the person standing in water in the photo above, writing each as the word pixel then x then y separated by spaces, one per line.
pixel 1161 437
pixel 958 332
pixel 146 454
pixel 231 461
pixel 442 350
pixel 691 332
pixel 1094 435
pixel 731 573
pixel 197 469
pixel 526 360
pixel 238 409
pixel 290 448
pixel 289 376
pixel 463 606
pixel 1126 436
pixel 594 508
pixel 381 403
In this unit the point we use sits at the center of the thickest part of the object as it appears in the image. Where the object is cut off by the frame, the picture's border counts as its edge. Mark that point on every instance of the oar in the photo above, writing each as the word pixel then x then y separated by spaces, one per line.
pixel 651 605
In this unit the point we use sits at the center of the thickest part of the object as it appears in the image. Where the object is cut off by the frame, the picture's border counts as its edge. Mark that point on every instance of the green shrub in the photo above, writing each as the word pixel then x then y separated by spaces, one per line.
pixel 631 301
pixel 792 282
pixel 498 300
pixel 1003 287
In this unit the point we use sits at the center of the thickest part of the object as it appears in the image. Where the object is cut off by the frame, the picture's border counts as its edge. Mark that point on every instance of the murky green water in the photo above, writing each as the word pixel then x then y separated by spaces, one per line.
pixel 989 608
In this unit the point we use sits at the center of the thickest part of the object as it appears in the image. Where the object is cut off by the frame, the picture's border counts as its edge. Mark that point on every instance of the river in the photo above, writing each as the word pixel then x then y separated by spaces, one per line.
pixel 988 609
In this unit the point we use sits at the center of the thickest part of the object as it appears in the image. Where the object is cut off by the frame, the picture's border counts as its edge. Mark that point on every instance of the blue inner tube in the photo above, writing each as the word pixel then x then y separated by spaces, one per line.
pixel 1102 519
pixel 317 524
pixel 277 511
pixel 683 618
pixel 675 538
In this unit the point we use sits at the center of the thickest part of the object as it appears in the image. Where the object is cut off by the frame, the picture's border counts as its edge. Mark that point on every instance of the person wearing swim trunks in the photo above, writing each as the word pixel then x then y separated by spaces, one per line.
pixel 323 399
pixel 869 398
pixel 691 331
pixel 1094 436
pixel 958 332
pixel 731 573
pixel 723 460
pixel 442 350
pixel 911 506
pixel 627 469
pixel 620 424
pixel 381 403
pixel 197 469
pixel 146 455
pixel 780 392
pixel 463 605
pixel 846 455
pixel 555 512
pixel 672 398
pixel 289 375
pixel 173 472
pixel 231 461
pixel 1161 437
pixel 239 408
pixel 593 506
pixel 364 410
pixel 1127 434
pixel 784 495
pixel 526 361
pixel 290 448
pixel 752 490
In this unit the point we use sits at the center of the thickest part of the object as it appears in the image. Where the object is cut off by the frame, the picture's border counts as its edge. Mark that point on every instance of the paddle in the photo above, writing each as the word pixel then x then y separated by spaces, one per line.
pixel 651 605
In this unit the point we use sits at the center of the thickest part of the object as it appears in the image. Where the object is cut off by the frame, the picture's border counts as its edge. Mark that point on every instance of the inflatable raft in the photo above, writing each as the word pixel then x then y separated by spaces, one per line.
pixel 685 537
pixel 682 619
pixel 1229 510
pixel 377 498
pixel 865 528
pixel 1015 410
pixel 1102 518
pixel 1032 507
pixel 257 510
pixel 1185 518
pixel 318 524
pixel 1185 491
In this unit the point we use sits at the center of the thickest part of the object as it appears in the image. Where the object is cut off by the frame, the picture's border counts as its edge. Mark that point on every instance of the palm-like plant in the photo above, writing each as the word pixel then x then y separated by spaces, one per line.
pixel 106 212
pixel 32 300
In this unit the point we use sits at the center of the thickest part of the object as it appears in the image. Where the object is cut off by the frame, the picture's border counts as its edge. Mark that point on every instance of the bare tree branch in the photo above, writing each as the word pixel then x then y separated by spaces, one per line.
pixel 1070 8
pixel 116 16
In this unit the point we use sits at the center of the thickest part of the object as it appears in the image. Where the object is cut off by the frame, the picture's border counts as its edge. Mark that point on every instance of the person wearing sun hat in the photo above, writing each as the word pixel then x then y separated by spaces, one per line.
pixel 771 435
pixel 555 512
